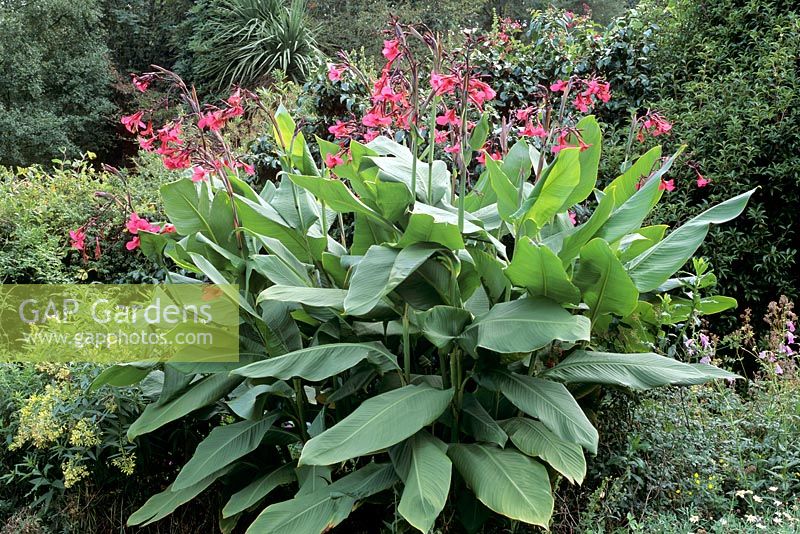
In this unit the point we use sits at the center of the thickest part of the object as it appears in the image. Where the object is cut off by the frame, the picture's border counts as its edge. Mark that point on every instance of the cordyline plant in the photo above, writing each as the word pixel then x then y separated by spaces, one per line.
pixel 438 351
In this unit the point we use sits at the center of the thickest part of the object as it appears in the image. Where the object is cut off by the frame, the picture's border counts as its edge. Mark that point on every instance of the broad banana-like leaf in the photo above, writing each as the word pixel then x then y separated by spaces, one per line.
pixel 534 439
pixel 322 510
pixel 322 297
pixel 506 481
pixel 200 394
pixel 588 158
pixel 555 191
pixel 319 362
pixel 425 470
pixel 574 242
pixel 254 492
pixel 655 265
pixel 378 423
pixel 605 285
pixel 508 196
pixel 380 271
pixel 163 504
pixel 646 237
pixel 223 446
pixel 537 269
pixel 528 324
pixel 478 423
pixel 552 404
pixel 636 371
pixel 441 325
pixel 435 225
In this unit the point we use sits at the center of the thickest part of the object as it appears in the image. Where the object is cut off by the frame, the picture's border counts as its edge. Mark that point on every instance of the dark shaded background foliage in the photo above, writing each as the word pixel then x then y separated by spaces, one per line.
pixel 728 75
pixel 55 80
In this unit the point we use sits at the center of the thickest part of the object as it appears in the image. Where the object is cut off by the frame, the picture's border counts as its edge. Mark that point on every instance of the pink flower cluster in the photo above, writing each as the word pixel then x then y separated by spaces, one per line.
pixel 136 223
pixel 655 124
pixel 590 90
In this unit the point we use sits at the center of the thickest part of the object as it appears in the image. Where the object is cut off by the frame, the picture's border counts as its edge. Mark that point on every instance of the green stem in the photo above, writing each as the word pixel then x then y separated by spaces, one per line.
pixel 406 346
pixel 431 146
pixel 299 395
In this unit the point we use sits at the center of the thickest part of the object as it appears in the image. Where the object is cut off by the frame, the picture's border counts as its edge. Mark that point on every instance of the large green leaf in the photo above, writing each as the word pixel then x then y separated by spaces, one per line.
pixel 478 423
pixel 636 371
pixel 559 184
pixel 506 481
pixel 629 215
pixel 624 186
pixel 425 469
pixel 319 362
pixel 573 243
pixel 322 510
pixel 528 324
pixel 163 504
pixel 122 374
pixel 640 241
pixel 336 195
pixel 380 271
pixel 435 225
pixel 378 423
pixel 588 158
pixel 322 297
pixel 605 285
pixel 223 446
pixel 508 196
pixel 202 393
pixel 442 324
pixel 254 492
pixel 552 404
pixel 655 265
pixel 534 439
pixel 537 269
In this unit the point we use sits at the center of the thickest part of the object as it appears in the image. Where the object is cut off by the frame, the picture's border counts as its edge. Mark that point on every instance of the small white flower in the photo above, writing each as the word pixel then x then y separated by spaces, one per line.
pixel 694 519
pixel 773 489
pixel 751 518
pixel 778 503
pixel 757 498
pixel 777 520
pixel 742 493
pixel 722 521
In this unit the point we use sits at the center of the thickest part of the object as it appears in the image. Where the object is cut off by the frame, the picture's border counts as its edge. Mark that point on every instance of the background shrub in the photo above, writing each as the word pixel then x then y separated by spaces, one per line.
pixel 39 207
pixel 728 79
pixel 54 80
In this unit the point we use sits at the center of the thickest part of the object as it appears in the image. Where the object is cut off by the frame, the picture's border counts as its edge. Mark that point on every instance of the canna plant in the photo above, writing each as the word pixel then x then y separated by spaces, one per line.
pixel 436 353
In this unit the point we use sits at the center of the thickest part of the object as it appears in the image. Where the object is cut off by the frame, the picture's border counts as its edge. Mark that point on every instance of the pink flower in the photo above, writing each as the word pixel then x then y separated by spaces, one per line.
pixel 335 72
pixel 449 117
pixel 480 92
pixel 391 50
pixel 559 86
pixel 789 337
pixel 178 159
pixel 656 124
pixel 375 119
pixel 454 149
pixel 136 223
pixel 533 131
pixel 667 185
pixel 790 326
pixel 133 244
pixel 168 229
pixel 340 130
pixel 701 180
pixel 133 123
pixel 572 218
pixel 77 239
pixel 523 114
pixel 140 83
pixel 332 160
pixel 369 135
pixel 583 103
pixel 199 174
pixel 443 83
pixel 249 169
pixel 439 136
pixel 778 369
pixel 213 120
pixel 481 158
